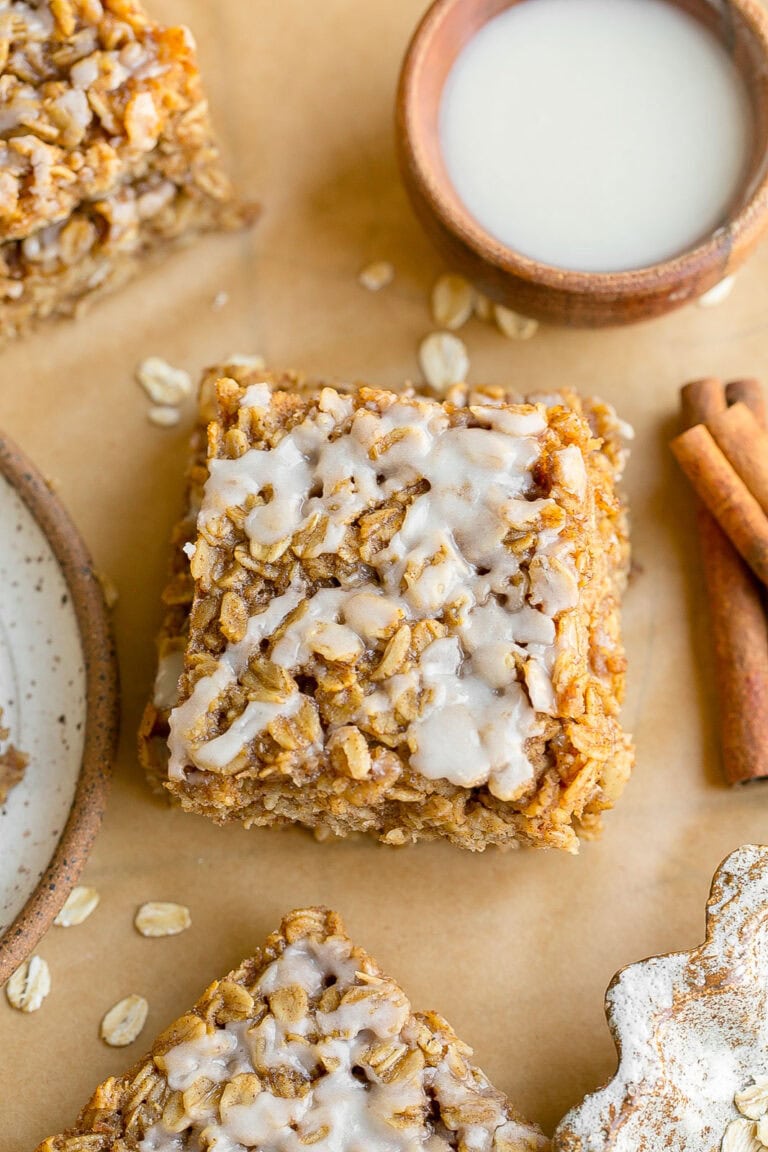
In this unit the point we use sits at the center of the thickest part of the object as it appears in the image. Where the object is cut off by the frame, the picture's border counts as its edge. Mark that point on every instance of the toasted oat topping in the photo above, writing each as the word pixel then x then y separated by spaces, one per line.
pixel 333 762
pixel 306 1044
pixel 318 1053
pixel 457 633
pixel 81 90
pixel 106 151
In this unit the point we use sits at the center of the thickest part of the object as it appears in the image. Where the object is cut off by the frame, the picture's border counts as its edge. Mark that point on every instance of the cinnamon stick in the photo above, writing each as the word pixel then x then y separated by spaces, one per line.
pixel 721 489
pixel 749 392
pixel 702 400
pixel 745 444
pixel 738 624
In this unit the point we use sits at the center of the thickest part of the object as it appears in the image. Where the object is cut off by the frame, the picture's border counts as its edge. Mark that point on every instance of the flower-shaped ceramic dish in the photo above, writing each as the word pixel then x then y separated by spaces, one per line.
pixel 59 695
pixel 692 1033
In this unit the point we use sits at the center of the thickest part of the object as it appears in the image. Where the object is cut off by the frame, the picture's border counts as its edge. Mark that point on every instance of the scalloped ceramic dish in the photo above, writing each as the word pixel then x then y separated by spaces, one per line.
pixel 58 692
pixel 691 1030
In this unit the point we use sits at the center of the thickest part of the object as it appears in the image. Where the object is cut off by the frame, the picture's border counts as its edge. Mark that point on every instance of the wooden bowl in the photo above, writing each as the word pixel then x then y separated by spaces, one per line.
pixel 61 677
pixel 557 295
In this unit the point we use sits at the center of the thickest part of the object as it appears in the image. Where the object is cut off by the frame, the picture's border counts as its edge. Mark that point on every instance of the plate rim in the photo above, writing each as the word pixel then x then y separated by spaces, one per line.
pixel 102 720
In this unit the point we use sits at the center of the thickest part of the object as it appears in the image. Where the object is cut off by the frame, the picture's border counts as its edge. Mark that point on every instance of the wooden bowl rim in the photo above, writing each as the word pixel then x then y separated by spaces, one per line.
pixel 101 708
pixel 747 223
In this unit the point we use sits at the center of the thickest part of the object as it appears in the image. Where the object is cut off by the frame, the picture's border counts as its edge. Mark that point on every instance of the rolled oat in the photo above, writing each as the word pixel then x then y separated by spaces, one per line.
pixel 78 906
pixel 453 301
pixel 158 918
pixel 29 985
pixel 124 1021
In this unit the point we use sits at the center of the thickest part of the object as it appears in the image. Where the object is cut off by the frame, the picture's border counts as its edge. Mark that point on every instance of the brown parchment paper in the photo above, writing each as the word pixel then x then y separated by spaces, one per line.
pixel 516 950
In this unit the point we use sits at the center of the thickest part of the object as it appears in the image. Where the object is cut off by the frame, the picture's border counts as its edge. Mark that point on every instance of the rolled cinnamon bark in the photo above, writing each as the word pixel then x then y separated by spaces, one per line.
pixel 743 441
pixel 738 623
pixel 721 489
pixel 749 392
pixel 702 400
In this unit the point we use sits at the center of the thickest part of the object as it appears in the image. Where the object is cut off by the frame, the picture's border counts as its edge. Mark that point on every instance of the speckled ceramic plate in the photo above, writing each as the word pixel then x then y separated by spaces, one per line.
pixel 58 692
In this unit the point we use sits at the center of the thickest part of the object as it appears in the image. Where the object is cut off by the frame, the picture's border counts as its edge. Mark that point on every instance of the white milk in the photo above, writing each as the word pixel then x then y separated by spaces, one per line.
pixel 597 135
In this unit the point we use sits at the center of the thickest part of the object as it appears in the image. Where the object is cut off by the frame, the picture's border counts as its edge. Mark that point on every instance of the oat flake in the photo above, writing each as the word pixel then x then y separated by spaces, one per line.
pixel 513 325
pixel 29 985
pixel 163 416
pixel 453 300
pixel 123 1023
pixel 444 360
pixel 79 905
pixel 158 918
pixel 164 384
pixel 376 276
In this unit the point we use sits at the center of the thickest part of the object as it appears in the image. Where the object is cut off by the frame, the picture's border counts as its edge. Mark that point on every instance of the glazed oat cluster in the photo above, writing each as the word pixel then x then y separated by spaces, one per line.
pixel 106 151
pixel 404 617
pixel 307 1045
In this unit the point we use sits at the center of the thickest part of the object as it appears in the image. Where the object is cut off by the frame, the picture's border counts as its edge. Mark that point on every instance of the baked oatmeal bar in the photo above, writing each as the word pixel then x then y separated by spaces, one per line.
pixel 306 1045
pixel 106 151
pixel 404 615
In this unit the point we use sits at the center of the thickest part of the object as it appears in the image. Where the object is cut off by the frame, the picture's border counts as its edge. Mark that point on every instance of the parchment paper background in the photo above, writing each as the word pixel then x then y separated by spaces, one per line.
pixel 515 950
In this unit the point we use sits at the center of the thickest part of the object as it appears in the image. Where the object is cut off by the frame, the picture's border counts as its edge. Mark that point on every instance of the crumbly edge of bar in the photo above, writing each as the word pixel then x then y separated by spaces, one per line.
pixel 101 266
pixel 137 122
pixel 123 1107
pixel 582 762
pixel 125 198
pixel 13 763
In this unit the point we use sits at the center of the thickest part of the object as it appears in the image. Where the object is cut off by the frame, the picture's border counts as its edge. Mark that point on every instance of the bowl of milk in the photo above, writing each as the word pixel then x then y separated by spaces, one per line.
pixel 589 162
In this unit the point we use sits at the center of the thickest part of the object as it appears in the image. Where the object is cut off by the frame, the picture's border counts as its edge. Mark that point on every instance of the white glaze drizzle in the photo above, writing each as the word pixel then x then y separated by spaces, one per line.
pixel 475 714
pixel 341 1111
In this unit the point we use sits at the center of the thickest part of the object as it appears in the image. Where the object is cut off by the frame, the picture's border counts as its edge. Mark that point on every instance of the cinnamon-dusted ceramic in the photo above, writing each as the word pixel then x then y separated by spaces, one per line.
pixel 58 692
pixel 557 295
pixel 692 1032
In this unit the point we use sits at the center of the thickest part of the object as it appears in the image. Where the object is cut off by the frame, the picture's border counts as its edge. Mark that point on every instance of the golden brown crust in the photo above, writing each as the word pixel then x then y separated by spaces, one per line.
pixel 582 760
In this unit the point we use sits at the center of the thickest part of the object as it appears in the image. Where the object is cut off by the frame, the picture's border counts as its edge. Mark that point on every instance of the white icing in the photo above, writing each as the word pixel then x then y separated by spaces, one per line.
pixel 207 690
pixel 347 1104
pixel 218 753
pixel 477 710
pixel 210 1056
pixel 693 1029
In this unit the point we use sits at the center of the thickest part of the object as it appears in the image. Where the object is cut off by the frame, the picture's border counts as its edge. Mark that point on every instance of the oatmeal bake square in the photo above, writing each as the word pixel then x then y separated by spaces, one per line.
pixel 394 614
pixel 106 151
pixel 307 1045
